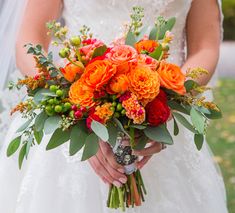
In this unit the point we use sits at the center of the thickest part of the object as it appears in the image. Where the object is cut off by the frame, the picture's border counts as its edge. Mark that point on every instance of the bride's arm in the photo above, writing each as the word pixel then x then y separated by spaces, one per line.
pixel 33 30
pixel 203 37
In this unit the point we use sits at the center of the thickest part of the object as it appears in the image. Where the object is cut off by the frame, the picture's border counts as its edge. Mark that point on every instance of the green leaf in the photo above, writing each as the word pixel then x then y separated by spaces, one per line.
pixel 178 107
pixel 28 146
pixel 119 124
pixel 113 133
pixel 22 155
pixel 130 39
pixel 51 124
pixel 159 134
pixel 184 122
pixel 142 33
pixel 77 138
pixel 190 85
pixel 198 120
pixel 40 121
pixel 38 136
pixel 203 110
pixel 166 27
pixel 198 139
pixel 141 142
pixel 100 130
pixel 176 128
pixel 40 95
pixel 99 51
pixel 153 33
pixel 91 146
pixel 13 146
pixel 25 125
pixel 58 138
pixel 140 127
pixel 156 54
pixel 214 114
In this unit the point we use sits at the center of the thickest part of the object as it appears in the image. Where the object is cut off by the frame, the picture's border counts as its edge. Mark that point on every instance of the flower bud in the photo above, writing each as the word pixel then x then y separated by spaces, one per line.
pixel 75 40
pixel 64 53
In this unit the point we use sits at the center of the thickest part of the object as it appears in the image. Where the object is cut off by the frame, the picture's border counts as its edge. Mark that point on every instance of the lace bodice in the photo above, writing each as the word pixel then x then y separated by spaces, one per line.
pixel 109 17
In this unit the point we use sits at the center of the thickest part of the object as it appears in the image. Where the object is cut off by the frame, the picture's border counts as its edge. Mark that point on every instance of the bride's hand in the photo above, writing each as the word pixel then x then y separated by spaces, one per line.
pixel 106 167
pixel 148 152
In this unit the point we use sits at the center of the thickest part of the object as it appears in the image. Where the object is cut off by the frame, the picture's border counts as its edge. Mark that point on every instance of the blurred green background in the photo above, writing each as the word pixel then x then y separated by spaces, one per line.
pixel 221 133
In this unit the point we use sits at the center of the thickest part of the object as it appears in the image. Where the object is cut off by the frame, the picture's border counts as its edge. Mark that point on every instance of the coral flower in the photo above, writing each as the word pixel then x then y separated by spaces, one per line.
pixel 148 61
pixel 122 56
pixel 144 83
pixel 98 73
pixel 82 94
pixel 146 45
pixel 171 77
pixel 71 71
pixel 118 84
pixel 104 111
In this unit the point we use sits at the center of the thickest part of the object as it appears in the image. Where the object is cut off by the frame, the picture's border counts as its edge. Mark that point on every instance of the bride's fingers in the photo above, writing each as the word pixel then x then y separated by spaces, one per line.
pixel 118 176
pixel 155 147
pixel 101 171
pixel 108 153
pixel 143 161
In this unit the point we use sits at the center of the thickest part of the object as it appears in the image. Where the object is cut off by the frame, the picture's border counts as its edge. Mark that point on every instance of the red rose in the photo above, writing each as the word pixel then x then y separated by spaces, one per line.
pixel 157 111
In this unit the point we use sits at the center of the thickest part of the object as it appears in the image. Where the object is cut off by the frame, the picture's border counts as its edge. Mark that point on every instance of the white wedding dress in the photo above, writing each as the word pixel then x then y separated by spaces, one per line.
pixel 179 179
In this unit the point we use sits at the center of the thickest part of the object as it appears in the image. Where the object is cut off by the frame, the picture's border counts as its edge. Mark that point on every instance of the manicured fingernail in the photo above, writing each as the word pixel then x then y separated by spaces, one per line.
pixel 117 184
pixel 123 180
pixel 121 170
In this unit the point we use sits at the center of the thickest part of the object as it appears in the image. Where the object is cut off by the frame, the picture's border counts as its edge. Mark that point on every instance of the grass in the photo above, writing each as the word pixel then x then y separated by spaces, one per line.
pixel 221 136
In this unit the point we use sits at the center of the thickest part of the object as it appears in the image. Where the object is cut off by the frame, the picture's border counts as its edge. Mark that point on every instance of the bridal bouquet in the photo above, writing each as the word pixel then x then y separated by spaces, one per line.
pixel 108 92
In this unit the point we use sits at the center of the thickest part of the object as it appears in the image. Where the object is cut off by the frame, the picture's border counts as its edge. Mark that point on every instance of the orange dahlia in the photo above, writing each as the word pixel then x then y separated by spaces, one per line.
pixel 82 94
pixel 171 77
pixel 146 45
pixel 144 83
pixel 98 73
pixel 118 84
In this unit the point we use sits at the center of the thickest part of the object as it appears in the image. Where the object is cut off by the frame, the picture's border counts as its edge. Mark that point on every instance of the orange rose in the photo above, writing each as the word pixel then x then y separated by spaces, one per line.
pixel 171 77
pixel 82 94
pixel 148 61
pixel 122 56
pixel 98 73
pixel 119 84
pixel 144 83
pixel 71 71
pixel 146 45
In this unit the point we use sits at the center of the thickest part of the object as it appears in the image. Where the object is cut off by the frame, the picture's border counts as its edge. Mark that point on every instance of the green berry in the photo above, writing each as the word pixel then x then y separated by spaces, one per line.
pixel 75 40
pixel 116 114
pixel 123 112
pixel 67 106
pixel 44 102
pixel 59 92
pixel 58 108
pixel 51 101
pixel 64 53
pixel 114 104
pixel 53 88
pixel 112 108
pixel 114 97
pixel 119 107
pixel 71 114
pixel 49 109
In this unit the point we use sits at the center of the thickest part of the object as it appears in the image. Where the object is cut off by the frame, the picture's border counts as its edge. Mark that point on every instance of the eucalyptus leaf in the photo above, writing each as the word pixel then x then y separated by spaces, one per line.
pixel 190 85
pixel 22 155
pixel 159 134
pixel 77 138
pixel 176 128
pixel 51 124
pixel 156 54
pixel 99 51
pixel 184 122
pixel 40 121
pixel 137 126
pixel 39 96
pixel 119 124
pixel 100 130
pixel 113 133
pixel 91 146
pixel 153 33
pixel 198 139
pixel 178 107
pixel 58 138
pixel 28 146
pixel 13 146
pixel 214 114
pixel 198 120
pixel 25 125
pixel 130 39
pixel 141 142
pixel 166 27
pixel 38 136
pixel 142 33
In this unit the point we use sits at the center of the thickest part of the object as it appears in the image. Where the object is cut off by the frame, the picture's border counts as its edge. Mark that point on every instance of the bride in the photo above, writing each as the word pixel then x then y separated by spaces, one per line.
pixel 179 179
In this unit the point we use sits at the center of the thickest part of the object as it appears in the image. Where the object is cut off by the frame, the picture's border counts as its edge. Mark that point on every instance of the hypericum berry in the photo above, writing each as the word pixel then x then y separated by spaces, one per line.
pixel 114 97
pixel 114 104
pixel 78 114
pixel 83 109
pixel 49 109
pixel 74 108
pixel 71 114
pixel 58 108
pixel 75 40
pixel 116 114
pixel 67 106
pixel 51 101
pixel 53 88
pixel 119 107
pixel 112 108
pixel 123 112
pixel 59 92
pixel 64 53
